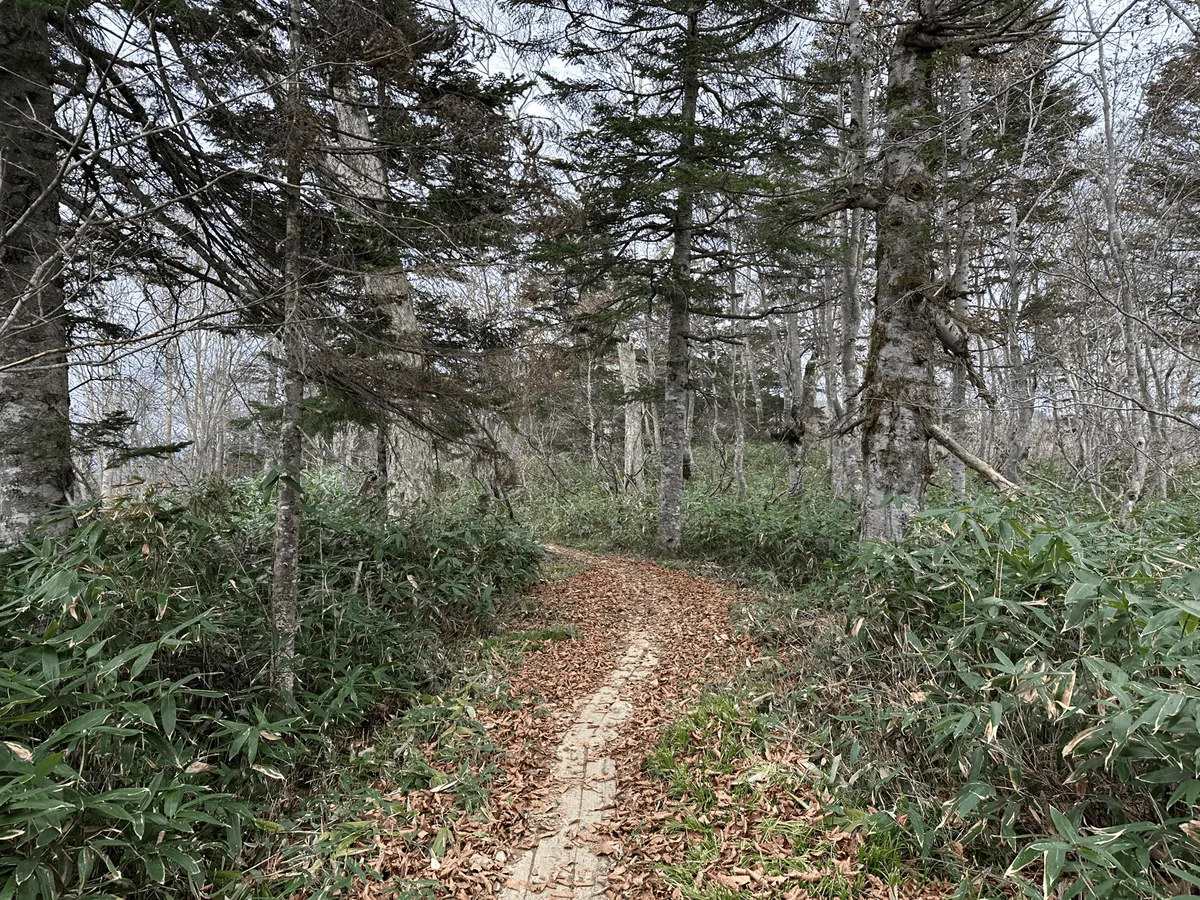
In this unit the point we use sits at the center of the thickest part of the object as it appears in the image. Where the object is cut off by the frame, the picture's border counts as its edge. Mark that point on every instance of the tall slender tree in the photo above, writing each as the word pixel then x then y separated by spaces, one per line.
pixel 678 116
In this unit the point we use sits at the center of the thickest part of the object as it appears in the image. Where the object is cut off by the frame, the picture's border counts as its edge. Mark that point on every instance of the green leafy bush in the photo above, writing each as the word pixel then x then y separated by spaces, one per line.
pixel 142 752
pixel 783 542
pixel 779 539
pixel 1027 678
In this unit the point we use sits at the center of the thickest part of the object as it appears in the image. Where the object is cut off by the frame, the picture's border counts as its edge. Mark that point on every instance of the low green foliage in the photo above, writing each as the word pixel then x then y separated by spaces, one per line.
pixel 773 538
pixel 712 763
pixel 784 542
pixel 1022 679
pixel 142 753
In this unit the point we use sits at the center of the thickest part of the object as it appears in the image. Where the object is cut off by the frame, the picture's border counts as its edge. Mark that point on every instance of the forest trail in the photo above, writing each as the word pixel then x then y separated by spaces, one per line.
pixel 585 712
pixel 649 637
pixel 573 814
pixel 564 858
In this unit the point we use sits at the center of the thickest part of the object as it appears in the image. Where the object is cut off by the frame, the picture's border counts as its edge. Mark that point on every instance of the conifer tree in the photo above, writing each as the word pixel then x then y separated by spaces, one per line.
pixel 677 120
pixel 35 447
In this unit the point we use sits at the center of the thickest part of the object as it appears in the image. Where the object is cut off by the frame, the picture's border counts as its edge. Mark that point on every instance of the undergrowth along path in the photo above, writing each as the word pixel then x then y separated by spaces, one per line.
pixel 573 811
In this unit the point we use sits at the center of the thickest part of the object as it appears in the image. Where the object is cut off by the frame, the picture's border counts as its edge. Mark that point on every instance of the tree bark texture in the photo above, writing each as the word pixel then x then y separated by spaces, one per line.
pixel 898 391
pixel 845 456
pixel 958 278
pixel 285 573
pixel 36 474
pixel 674 427
pixel 675 395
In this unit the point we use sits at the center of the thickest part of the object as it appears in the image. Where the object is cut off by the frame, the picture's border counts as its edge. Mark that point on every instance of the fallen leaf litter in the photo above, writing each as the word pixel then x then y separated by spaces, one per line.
pixel 572 813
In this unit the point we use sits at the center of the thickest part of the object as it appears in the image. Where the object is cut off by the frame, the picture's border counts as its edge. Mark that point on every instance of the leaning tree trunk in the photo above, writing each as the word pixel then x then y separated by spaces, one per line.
pixel 357 163
pixel 35 435
pixel 674 425
pixel 898 392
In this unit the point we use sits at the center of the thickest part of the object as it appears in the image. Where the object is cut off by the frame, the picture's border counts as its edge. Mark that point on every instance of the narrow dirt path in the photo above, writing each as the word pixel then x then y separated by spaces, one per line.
pixel 572 815
pixel 586 779
pixel 584 714
pixel 650 638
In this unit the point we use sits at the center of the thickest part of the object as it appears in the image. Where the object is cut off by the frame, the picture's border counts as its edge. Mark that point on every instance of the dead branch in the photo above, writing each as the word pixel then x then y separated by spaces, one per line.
pixel 998 481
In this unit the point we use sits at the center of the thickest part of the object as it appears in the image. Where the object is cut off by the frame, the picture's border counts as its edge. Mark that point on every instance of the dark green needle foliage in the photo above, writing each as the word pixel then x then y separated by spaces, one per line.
pixel 633 150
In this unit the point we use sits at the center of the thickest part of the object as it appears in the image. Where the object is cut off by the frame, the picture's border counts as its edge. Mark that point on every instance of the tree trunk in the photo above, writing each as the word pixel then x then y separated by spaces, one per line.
pixel 739 442
pixel 36 474
pixel 411 465
pixel 674 427
pixel 1019 368
pixel 848 484
pixel 652 430
pixel 1134 384
pixel 358 164
pixel 285 573
pixel 798 438
pixel 823 324
pixel 782 370
pixel 593 434
pixel 675 396
pixel 737 393
pixel 635 451
pixel 958 279
pixel 899 385
pixel 1021 376
pixel 752 372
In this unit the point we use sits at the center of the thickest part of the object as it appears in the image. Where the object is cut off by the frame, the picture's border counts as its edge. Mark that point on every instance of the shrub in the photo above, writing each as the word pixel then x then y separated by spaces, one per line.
pixel 783 541
pixel 142 751
pixel 1030 675
pixel 774 537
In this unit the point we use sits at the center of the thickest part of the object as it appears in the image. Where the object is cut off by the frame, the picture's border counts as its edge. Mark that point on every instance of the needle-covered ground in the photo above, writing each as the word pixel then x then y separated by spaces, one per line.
pixel 618 762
